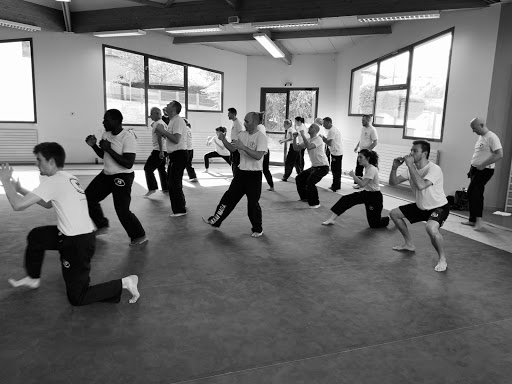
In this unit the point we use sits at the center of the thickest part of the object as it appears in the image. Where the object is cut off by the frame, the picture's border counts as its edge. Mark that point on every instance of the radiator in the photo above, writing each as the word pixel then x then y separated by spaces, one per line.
pixel 16 145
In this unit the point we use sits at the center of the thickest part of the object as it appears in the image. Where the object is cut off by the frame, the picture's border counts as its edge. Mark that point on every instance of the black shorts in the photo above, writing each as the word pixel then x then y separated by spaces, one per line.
pixel 414 214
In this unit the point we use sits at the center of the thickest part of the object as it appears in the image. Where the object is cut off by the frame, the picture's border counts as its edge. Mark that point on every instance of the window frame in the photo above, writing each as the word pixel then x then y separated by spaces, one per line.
pixel 407 86
pixel 34 104
pixel 147 87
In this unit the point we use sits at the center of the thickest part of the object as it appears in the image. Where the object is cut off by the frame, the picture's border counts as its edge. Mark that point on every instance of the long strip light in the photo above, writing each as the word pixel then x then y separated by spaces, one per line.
pixel 267 43
pixel 286 24
pixel 23 27
pixel 400 16
pixel 196 29
pixel 131 32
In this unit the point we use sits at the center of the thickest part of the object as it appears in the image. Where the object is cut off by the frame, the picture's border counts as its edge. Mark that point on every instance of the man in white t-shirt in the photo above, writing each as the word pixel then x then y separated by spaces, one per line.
pixel 192 177
pixel 367 140
pixel 236 128
pixel 252 145
pixel 333 141
pixel 156 159
pixel 220 149
pixel 306 181
pixel 176 135
pixel 426 179
pixel 73 236
pixel 488 151
pixel 117 148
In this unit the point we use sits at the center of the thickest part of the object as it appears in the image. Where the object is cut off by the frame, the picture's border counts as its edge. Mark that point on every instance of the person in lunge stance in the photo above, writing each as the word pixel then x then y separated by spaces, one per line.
pixel 370 195
pixel 306 180
pixel 252 145
pixel 220 149
pixel 156 159
pixel 426 179
pixel 117 148
pixel 73 236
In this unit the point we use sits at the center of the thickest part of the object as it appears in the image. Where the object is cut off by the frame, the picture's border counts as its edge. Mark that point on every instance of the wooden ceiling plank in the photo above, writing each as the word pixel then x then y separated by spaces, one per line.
pixel 48 19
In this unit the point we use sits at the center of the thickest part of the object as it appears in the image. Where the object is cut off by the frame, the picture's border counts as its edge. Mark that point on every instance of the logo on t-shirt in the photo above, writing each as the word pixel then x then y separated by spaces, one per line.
pixel 76 185
pixel 65 264
pixel 481 145
pixel 252 145
pixel 119 182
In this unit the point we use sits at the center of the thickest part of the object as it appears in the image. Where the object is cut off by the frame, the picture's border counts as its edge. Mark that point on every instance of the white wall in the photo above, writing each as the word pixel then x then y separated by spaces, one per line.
pixel 305 71
pixel 69 83
pixel 473 53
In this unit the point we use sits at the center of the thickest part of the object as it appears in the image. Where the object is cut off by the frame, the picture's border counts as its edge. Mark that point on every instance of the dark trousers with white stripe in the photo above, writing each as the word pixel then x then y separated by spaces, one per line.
pixel 372 200
pixel 244 183
pixel 75 258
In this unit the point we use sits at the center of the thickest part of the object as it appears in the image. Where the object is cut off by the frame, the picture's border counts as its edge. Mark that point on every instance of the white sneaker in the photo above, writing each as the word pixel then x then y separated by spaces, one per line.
pixel 314 206
pixel 257 234
pixel 177 214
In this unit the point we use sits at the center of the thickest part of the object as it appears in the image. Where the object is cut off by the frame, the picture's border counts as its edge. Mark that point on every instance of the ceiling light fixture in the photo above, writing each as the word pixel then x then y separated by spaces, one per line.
pixel 131 32
pixel 286 24
pixel 400 16
pixel 64 1
pixel 196 29
pixel 267 43
pixel 23 27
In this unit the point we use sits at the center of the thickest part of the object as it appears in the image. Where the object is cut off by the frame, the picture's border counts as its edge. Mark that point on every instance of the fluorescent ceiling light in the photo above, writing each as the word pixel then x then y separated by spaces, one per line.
pixel 64 1
pixel 286 24
pixel 269 45
pixel 23 27
pixel 400 16
pixel 196 29
pixel 131 32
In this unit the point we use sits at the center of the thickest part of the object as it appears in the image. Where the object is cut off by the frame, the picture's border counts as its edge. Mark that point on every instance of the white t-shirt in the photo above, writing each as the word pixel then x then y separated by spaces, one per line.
pixel 289 133
pixel 368 135
pixel 484 147
pixel 433 196
pixel 257 142
pixel 336 147
pixel 298 129
pixel 219 147
pixel 156 137
pixel 317 155
pixel 189 138
pixel 371 173
pixel 236 128
pixel 177 125
pixel 124 142
pixel 70 203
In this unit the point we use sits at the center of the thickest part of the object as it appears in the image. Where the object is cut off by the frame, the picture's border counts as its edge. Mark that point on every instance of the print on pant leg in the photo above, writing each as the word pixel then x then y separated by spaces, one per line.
pixel 217 214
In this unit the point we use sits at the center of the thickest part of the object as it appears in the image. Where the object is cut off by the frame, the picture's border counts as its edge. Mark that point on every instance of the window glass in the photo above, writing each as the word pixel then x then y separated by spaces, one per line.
pixel 160 98
pixel 428 88
pixel 204 90
pixel 390 107
pixel 394 70
pixel 17 98
pixel 124 85
pixel 162 73
pixel 363 90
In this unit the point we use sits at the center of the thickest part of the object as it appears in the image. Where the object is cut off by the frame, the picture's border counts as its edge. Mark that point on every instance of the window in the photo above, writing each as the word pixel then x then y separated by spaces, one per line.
pixel 406 89
pixel 204 90
pixel 134 83
pixel 17 95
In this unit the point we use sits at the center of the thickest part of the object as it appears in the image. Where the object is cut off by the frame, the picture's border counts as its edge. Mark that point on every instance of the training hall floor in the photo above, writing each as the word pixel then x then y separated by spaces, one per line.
pixel 302 304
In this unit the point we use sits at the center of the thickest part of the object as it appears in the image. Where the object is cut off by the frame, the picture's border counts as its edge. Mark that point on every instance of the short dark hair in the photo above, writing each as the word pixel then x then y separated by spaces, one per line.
pixel 372 156
pixel 221 129
pixel 425 146
pixel 115 114
pixel 177 106
pixel 367 114
pixel 187 123
pixel 301 119
pixel 328 119
pixel 232 110
pixel 51 151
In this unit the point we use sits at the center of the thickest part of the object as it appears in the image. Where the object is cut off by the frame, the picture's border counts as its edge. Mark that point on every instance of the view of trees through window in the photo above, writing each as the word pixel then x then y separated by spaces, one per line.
pixel 16 78
pixel 413 101
pixel 126 76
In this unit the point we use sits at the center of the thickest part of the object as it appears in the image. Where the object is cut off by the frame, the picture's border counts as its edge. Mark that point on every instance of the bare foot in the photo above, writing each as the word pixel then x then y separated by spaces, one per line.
pixel 470 223
pixel 130 283
pixel 441 266
pixel 479 228
pixel 404 247
pixel 257 234
pixel 149 193
pixel 25 282
pixel 271 189
pixel 328 222
pixel 205 171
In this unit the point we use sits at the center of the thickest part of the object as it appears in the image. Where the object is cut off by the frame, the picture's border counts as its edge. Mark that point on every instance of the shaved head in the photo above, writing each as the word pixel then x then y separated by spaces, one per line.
pixel 477 121
pixel 478 126
pixel 315 128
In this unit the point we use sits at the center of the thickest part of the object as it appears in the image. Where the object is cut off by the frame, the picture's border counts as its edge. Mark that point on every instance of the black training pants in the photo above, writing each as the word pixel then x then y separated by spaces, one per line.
pixel 373 203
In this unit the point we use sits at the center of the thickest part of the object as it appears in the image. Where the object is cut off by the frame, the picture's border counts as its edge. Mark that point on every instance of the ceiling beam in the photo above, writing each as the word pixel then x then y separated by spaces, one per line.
pixel 48 19
pixel 285 35
pixel 287 55
pixel 194 13
pixel 150 3
pixel 169 3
